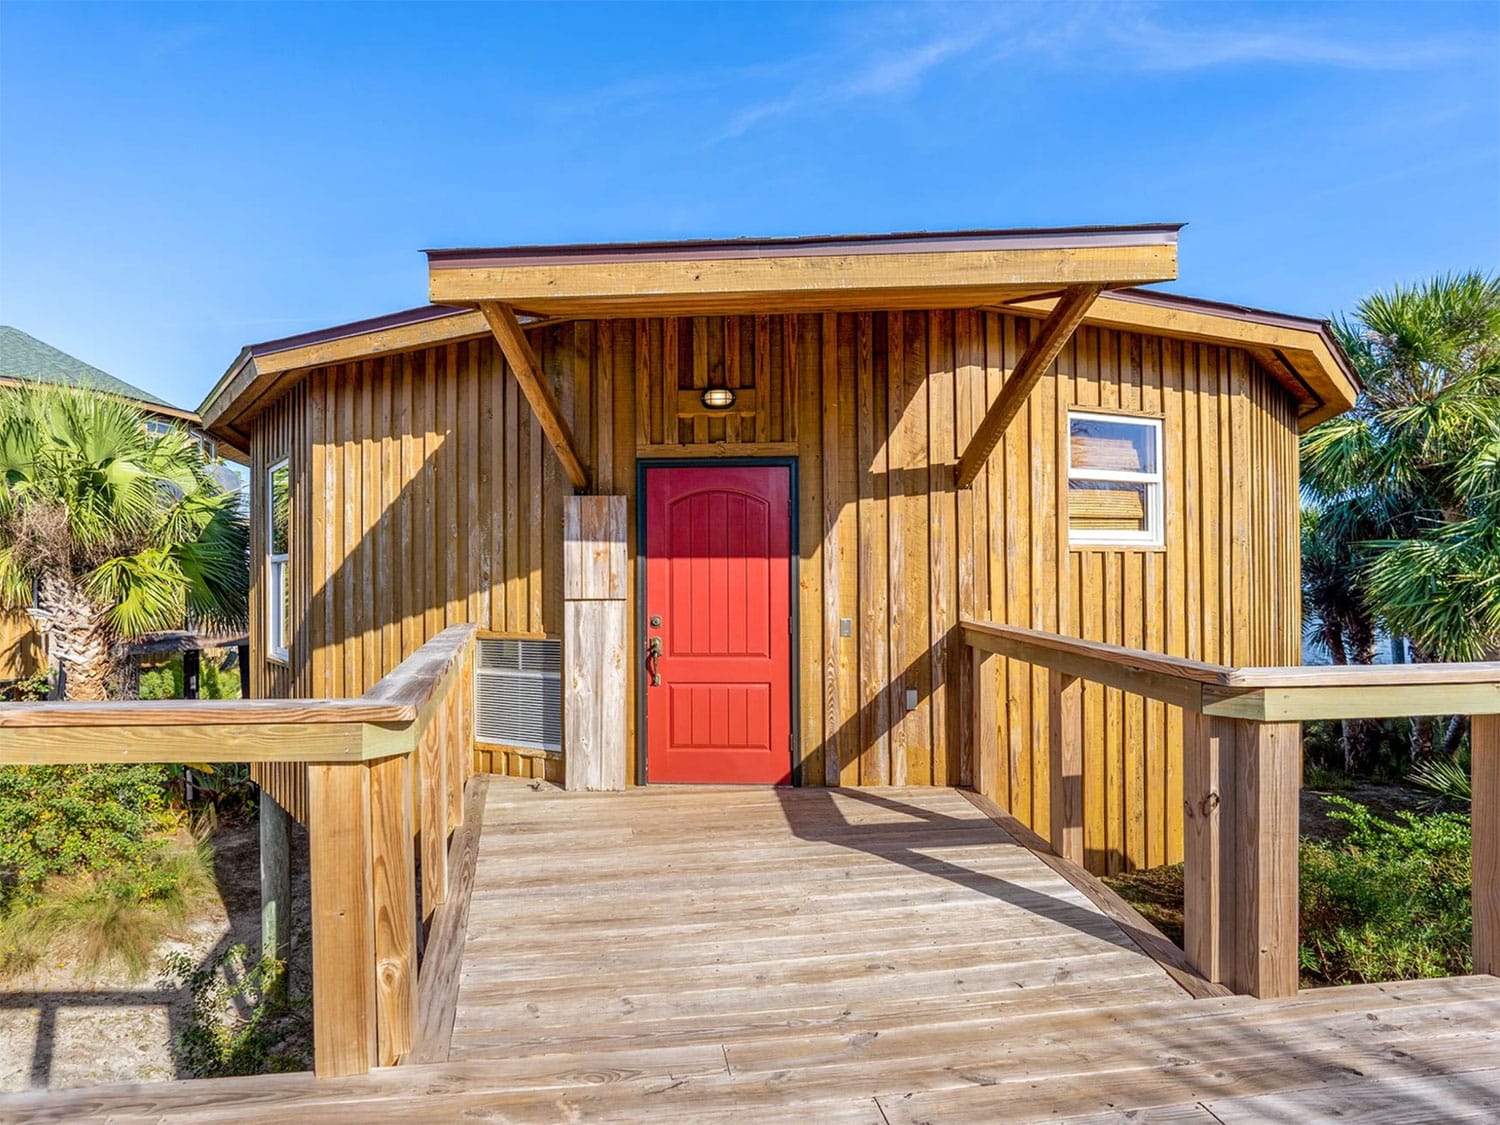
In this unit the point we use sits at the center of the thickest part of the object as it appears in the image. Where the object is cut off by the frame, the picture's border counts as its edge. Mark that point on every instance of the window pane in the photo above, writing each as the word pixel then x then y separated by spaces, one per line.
pixel 1096 505
pixel 280 508
pixel 1120 446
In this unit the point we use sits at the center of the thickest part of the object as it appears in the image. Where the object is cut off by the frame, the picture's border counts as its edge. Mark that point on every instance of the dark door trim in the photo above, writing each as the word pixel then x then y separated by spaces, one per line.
pixel 637 633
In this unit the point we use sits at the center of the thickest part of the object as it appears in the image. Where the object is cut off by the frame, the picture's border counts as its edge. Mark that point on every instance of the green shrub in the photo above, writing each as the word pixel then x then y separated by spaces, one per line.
pixel 242 1019
pixel 1391 901
pixel 33 689
pixel 165 681
pixel 71 821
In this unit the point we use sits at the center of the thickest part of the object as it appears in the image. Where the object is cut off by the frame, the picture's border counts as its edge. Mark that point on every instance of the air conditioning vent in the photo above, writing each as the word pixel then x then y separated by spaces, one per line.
pixel 518 693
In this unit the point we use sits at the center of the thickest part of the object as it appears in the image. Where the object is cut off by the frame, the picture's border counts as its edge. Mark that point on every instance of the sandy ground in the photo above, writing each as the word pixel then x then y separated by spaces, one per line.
pixel 60 1026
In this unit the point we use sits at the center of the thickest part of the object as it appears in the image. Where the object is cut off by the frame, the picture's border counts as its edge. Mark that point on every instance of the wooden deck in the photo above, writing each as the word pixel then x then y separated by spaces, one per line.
pixel 884 956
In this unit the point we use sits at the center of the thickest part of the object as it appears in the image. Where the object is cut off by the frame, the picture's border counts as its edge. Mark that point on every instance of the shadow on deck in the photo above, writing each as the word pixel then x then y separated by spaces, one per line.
pixel 705 954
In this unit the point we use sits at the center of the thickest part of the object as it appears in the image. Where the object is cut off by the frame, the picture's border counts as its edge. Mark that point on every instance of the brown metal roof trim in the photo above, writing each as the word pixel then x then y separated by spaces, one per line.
pixel 358 328
pixel 1034 238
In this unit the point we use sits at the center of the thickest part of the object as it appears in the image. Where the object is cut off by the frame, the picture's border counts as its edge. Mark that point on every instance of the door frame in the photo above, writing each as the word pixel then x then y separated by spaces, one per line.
pixel 638 631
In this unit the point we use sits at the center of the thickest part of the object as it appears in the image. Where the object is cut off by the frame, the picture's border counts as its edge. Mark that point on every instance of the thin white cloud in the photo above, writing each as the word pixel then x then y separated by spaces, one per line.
pixel 1155 46
pixel 895 50
pixel 886 75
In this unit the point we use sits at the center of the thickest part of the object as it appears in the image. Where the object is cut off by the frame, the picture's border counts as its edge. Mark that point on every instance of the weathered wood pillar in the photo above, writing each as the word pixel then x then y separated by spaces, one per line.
pixel 1240 863
pixel 1484 754
pixel 1065 791
pixel 340 853
pixel 595 674
pixel 275 879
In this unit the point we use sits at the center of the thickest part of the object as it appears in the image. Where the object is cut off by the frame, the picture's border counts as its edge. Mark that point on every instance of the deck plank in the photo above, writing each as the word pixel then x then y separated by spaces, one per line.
pixel 885 956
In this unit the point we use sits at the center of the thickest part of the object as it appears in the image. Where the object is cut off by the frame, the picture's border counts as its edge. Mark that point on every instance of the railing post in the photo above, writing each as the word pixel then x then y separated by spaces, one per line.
pixel 1066 782
pixel 343 918
pixel 394 884
pixel 1207 879
pixel 986 736
pixel 1484 818
pixel 1240 853
pixel 435 828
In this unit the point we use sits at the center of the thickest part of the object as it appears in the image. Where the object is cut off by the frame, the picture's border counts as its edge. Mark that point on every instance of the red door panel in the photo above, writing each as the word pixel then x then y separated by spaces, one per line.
pixel 718 575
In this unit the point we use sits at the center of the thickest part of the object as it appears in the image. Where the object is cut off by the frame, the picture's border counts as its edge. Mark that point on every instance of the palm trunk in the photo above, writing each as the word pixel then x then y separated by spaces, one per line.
pixel 78 636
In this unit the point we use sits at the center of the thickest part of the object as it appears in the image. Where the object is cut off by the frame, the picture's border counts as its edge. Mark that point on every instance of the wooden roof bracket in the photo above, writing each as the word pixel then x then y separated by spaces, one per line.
pixel 528 371
pixel 1050 339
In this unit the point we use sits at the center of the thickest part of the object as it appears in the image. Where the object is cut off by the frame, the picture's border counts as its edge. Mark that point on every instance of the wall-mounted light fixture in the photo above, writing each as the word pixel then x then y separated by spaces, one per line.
pixel 718 398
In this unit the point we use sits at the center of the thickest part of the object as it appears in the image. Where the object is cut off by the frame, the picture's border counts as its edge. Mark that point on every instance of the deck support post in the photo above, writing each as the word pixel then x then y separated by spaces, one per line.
pixel 275 880
pixel 343 918
pixel 595 669
pixel 1484 745
pixel 1065 788
pixel 1240 880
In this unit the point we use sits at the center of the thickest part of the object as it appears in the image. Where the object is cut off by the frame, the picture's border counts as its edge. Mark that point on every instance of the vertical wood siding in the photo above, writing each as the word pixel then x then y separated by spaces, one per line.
pixel 426 495
pixel 20 646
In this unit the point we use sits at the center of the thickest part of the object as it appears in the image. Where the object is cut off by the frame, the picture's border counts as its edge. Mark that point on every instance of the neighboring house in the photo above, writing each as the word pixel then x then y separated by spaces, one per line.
pixel 25 359
pixel 825 454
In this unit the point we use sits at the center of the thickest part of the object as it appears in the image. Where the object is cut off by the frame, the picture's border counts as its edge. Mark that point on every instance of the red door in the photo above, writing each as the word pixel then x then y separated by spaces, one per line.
pixel 718 598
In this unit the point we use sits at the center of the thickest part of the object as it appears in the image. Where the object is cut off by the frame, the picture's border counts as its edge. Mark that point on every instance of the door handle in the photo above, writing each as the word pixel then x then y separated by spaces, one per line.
pixel 653 660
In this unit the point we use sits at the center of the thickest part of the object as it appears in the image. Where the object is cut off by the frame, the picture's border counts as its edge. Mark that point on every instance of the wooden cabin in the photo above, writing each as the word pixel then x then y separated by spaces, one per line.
pixel 971 560
pixel 821 456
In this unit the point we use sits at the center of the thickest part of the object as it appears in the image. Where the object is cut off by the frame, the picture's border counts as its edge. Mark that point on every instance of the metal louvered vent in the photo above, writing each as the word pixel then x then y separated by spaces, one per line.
pixel 518 693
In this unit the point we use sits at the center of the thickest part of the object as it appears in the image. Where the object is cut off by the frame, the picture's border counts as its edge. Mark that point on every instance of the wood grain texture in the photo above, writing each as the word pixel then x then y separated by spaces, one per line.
pixel 929 373
pixel 1049 340
pixel 1484 742
pixel 340 853
pixel 537 389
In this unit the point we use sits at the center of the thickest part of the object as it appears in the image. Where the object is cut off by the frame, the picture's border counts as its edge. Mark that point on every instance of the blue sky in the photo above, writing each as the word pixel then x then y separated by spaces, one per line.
pixel 178 180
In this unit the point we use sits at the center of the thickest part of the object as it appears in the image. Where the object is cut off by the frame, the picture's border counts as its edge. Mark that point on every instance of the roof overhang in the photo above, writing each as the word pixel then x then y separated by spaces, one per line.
pixel 955 269
pixel 1301 353
pixel 156 409
pixel 1014 271
pixel 262 371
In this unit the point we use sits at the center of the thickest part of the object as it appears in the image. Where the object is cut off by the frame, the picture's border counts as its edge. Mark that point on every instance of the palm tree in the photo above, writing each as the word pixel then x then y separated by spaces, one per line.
pixel 108 531
pixel 1408 482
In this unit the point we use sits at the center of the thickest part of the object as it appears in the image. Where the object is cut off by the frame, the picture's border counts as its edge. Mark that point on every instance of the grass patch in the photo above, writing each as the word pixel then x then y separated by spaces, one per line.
pixel 117 918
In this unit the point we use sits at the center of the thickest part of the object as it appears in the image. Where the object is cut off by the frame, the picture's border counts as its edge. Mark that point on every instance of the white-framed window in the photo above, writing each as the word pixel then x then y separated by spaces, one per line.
pixel 278 551
pixel 1114 479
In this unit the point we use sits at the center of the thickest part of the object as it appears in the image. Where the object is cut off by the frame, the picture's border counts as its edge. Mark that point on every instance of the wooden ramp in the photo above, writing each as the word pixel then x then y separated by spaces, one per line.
pixel 883 956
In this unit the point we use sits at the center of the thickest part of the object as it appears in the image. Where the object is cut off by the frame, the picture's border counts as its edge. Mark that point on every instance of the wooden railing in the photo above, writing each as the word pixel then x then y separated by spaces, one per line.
pixel 385 781
pixel 1241 772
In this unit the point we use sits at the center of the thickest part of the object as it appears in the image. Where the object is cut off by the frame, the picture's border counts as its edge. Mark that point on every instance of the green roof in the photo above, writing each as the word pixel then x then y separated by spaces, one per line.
pixel 25 357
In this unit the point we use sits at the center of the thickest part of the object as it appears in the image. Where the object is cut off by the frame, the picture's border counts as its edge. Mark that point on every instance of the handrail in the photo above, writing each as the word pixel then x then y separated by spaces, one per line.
pixel 384 776
pixel 1272 694
pixel 1241 758
pixel 383 722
